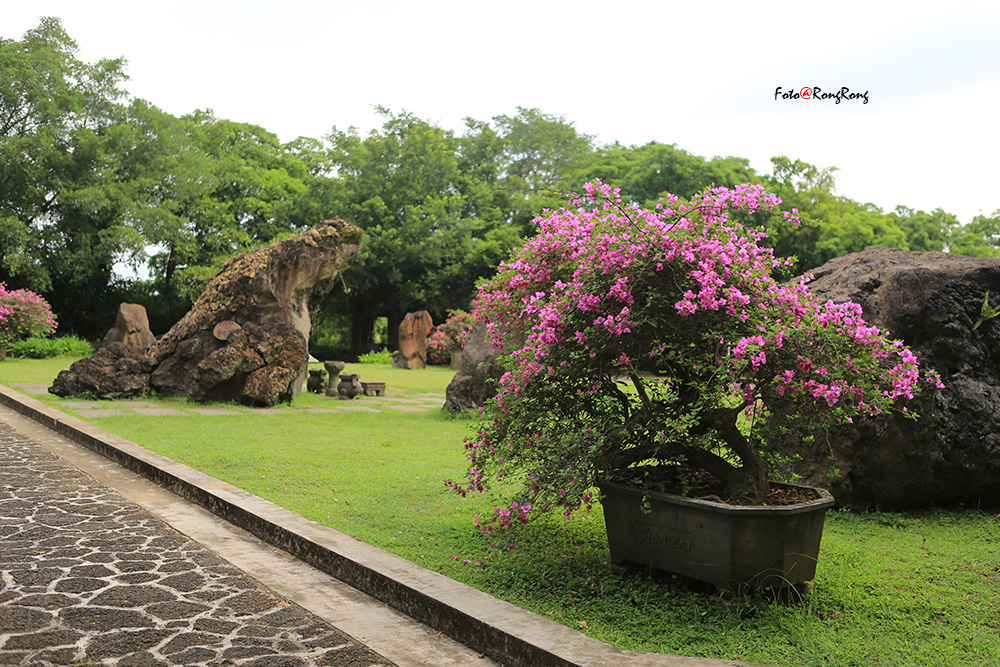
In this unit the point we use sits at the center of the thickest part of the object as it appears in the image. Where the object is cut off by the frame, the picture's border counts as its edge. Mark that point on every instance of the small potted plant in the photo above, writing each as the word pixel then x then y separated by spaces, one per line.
pixel 654 350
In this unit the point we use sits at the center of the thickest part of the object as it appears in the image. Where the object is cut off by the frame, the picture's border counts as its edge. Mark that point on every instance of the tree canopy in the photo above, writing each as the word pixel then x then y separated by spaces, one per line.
pixel 93 179
pixel 59 134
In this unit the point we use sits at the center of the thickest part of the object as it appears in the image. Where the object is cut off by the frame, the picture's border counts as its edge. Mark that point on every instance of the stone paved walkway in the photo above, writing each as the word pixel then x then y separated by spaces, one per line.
pixel 94 409
pixel 89 578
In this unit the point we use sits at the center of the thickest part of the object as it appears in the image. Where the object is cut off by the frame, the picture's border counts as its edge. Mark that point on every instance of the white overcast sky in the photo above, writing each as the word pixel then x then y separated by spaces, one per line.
pixel 701 75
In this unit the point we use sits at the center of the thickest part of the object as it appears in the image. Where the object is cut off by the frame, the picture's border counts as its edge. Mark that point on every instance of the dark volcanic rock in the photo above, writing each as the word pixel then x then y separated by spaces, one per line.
pixel 117 370
pixel 246 338
pixel 474 383
pixel 258 365
pixel 932 301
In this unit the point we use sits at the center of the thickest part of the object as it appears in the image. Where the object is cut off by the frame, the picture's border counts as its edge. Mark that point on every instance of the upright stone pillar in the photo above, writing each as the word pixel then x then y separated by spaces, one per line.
pixel 413 340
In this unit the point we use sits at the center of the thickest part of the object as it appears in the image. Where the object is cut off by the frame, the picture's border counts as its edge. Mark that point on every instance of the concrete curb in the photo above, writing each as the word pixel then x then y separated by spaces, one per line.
pixel 500 630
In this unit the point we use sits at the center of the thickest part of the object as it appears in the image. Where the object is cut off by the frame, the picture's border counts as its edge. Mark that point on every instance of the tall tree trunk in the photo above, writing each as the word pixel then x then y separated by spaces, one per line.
pixel 362 325
pixel 394 320
pixel 170 288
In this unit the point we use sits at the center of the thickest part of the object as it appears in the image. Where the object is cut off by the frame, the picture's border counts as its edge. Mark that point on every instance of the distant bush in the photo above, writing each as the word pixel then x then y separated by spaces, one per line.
pixel 382 357
pixel 44 348
pixel 449 337
pixel 23 314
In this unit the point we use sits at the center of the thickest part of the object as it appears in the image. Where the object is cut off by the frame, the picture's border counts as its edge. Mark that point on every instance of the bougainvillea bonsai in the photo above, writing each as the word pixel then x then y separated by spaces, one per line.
pixel 661 339
pixel 23 314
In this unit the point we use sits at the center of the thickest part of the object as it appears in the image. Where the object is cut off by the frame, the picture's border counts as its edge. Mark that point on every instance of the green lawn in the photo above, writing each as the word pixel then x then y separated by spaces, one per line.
pixel 891 589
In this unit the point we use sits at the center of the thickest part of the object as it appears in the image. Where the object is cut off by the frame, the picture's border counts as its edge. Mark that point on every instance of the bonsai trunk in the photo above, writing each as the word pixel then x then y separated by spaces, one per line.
pixel 748 479
pixel 751 477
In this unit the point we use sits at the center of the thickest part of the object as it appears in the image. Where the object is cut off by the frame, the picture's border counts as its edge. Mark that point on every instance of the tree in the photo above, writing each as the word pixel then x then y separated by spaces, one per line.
pixel 979 238
pixel 538 163
pixel 205 189
pixel 925 231
pixel 541 150
pixel 84 233
pixel 89 182
pixel 59 224
pixel 645 173
pixel 834 225
pixel 431 230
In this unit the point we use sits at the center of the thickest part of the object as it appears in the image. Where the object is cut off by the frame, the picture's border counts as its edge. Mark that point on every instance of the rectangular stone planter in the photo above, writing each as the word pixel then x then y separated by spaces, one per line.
pixel 729 546
pixel 373 388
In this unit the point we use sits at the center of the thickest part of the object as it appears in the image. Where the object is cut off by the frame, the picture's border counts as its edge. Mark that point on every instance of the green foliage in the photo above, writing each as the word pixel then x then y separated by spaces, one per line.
pixel 382 357
pixel 540 149
pixel 646 173
pixel 60 202
pixel 205 189
pixel 46 348
pixel 432 230
pixel 979 238
pixel 91 180
pixel 380 334
pixel 986 313
pixel 837 225
pixel 926 231
pixel 834 225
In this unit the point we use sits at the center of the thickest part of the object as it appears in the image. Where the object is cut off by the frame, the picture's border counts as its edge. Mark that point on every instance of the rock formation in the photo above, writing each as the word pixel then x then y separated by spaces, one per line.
pixel 474 383
pixel 131 327
pixel 951 454
pixel 116 370
pixel 246 338
pixel 413 332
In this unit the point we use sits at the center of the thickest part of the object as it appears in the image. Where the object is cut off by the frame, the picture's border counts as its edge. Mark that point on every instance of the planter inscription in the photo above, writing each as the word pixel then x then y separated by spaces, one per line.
pixel 650 535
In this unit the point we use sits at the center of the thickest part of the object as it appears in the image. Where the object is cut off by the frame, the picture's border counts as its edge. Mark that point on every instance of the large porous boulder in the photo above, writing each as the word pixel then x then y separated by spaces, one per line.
pixel 413 331
pixel 951 454
pixel 246 338
pixel 116 370
pixel 131 327
pixel 475 381
pixel 255 365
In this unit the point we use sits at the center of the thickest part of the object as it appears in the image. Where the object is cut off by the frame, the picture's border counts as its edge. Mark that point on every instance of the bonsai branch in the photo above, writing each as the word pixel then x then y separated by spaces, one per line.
pixel 620 395
pixel 734 479
pixel 754 469
pixel 639 387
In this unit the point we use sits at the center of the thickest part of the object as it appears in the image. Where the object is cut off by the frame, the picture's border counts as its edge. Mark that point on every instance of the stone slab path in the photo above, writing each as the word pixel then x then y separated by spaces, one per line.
pixel 96 409
pixel 89 578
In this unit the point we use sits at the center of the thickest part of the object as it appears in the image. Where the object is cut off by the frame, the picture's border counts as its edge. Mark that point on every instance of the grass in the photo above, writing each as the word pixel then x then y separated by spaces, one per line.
pixel 891 589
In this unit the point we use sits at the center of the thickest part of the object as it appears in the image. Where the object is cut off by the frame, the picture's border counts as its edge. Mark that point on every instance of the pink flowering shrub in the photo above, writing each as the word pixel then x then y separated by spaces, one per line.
pixel 23 314
pixel 448 337
pixel 661 337
pixel 438 348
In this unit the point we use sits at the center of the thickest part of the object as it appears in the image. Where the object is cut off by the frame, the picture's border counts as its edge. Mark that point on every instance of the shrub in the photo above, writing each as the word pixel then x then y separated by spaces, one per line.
pixel 380 357
pixel 448 337
pixel 651 340
pixel 439 347
pixel 23 314
pixel 44 348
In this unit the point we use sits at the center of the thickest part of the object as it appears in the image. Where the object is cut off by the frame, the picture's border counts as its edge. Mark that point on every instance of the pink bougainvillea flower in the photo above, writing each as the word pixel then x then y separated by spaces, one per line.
pixel 663 334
